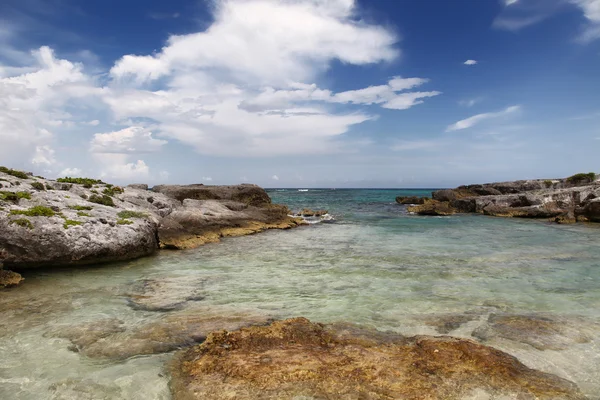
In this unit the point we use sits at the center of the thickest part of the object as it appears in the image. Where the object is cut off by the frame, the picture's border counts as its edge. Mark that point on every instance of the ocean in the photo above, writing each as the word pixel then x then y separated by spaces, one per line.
pixel 469 276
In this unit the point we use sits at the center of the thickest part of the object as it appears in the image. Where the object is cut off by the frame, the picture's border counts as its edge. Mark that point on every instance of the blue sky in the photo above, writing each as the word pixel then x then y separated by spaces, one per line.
pixel 301 93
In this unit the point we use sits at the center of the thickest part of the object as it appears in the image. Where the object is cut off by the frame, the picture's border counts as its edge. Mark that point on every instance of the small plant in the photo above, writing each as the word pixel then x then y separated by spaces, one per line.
pixel 112 190
pixel 582 178
pixel 79 181
pixel 131 214
pixel 71 222
pixel 38 185
pixel 83 214
pixel 14 196
pixel 81 208
pixel 14 172
pixel 94 191
pixel 36 211
pixel 122 221
pixel 23 222
pixel 83 196
pixel 104 200
pixel 548 183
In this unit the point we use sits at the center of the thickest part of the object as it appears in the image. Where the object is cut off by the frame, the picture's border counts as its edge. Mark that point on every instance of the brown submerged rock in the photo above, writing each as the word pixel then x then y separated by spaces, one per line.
pixel 9 278
pixel 297 359
pixel 540 331
pixel 110 339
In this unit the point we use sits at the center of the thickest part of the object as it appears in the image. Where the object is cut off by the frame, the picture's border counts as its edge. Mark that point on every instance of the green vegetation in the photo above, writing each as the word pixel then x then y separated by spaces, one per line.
pixel 71 222
pixel 79 181
pixel 14 172
pixel 131 214
pixel 83 196
pixel 81 208
pixel 94 191
pixel 112 190
pixel 83 214
pixel 14 196
pixel 582 178
pixel 38 186
pixel 548 183
pixel 37 211
pixel 104 199
pixel 122 221
pixel 24 222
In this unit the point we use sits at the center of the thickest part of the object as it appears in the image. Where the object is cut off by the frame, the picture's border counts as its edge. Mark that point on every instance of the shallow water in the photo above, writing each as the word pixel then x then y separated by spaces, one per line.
pixel 375 265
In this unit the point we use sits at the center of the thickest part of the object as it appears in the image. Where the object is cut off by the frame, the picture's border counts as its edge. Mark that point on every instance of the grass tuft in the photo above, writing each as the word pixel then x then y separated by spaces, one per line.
pixel 104 200
pixel 23 222
pixel 132 214
pixel 71 222
pixel 36 211
pixel 122 221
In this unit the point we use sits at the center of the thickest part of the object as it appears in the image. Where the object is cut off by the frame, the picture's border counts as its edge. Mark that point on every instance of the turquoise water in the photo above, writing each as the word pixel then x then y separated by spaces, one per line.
pixel 375 265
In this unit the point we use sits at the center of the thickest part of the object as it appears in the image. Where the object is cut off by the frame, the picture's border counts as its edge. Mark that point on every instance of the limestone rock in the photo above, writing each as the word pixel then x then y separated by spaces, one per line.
pixel 296 359
pixel 433 207
pixel 251 195
pixel 140 186
pixel 204 221
pixel 411 200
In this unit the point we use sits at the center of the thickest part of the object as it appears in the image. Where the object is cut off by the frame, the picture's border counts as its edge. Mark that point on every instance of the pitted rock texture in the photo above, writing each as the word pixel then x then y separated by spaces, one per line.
pixel 297 359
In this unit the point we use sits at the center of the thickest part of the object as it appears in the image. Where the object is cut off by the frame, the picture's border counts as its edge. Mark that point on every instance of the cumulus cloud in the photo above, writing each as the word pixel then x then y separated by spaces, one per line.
pixel 470 62
pixel 117 166
pixel 73 172
pixel 476 119
pixel 44 155
pixel 275 177
pixel 132 140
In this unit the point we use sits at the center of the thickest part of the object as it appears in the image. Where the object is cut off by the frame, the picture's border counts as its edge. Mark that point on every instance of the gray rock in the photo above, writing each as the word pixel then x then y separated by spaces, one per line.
pixel 245 193
pixel 141 186
pixel 165 293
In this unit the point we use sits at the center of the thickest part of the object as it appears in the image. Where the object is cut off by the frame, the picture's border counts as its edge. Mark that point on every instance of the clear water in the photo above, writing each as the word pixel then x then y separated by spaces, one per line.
pixel 375 265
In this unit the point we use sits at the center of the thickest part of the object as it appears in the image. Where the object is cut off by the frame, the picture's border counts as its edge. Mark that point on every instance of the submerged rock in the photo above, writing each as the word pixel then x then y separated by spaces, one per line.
pixel 446 323
pixel 165 294
pixel 297 359
pixel 109 339
pixel 543 332
pixel 9 278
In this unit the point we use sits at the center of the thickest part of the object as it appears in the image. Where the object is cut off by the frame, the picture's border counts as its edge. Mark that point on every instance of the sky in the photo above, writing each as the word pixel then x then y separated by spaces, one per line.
pixel 301 93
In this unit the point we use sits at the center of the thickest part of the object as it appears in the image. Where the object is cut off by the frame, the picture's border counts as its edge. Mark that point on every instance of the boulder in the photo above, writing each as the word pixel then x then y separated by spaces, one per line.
pixel 140 186
pixel 299 359
pixel 251 195
pixel 307 212
pixel 9 278
pixel 205 221
pixel 591 210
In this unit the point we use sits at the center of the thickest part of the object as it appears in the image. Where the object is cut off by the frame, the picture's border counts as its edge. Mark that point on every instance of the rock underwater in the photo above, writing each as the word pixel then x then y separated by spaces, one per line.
pixel 79 221
pixel 297 359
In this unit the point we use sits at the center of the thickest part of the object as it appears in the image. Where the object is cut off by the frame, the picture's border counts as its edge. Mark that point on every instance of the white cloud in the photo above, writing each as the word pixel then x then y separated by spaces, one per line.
pixel 470 62
pixel 116 166
pixel 44 155
pixel 130 140
pixel 94 123
pixel 269 42
pixel 476 119
pixel 510 2
pixel 72 172
pixel 275 177
pixel 207 178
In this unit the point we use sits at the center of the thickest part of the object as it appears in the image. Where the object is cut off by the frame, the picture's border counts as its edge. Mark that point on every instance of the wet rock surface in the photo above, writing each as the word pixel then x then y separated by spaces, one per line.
pixel 110 339
pixel 446 323
pixel 432 207
pixel 297 359
pixel 411 200
pixel 166 293
pixel 543 332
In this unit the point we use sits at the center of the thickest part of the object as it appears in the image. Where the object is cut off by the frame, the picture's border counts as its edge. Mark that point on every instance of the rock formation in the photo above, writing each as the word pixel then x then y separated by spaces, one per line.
pixel 295 359
pixel 576 198
pixel 78 221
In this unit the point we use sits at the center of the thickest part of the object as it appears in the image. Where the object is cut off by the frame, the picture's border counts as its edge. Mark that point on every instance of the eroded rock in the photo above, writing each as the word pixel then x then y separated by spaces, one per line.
pixel 433 207
pixel 296 359
pixel 9 278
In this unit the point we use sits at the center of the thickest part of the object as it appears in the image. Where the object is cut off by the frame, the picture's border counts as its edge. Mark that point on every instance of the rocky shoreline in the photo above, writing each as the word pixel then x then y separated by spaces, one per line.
pixel 568 200
pixel 75 221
